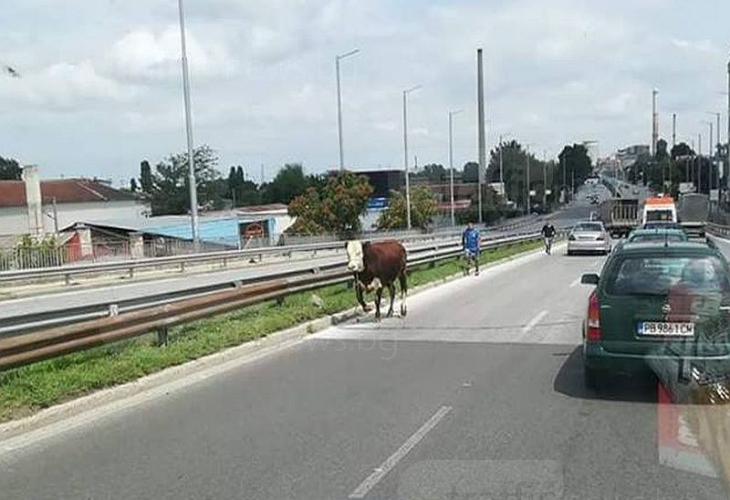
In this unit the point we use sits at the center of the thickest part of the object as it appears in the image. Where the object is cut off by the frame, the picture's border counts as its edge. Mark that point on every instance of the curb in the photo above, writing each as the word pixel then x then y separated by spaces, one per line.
pixel 162 383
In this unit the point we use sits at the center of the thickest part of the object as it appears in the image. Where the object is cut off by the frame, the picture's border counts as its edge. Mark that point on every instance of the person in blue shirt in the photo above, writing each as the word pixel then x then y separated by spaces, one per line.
pixel 471 242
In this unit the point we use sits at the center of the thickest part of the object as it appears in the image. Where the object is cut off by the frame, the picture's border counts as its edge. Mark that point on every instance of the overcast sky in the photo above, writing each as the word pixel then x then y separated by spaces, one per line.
pixel 100 85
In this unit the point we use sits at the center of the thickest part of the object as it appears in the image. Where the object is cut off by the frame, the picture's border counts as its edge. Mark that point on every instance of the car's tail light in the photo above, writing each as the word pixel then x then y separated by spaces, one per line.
pixel 593 324
pixel 571 237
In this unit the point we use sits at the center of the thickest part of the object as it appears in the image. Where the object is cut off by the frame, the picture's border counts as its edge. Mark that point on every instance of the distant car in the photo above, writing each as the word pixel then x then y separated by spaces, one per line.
pixel 589 237
pixel 657 306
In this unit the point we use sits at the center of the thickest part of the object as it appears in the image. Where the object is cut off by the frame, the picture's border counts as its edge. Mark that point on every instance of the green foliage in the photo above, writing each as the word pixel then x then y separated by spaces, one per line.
pixel 240 191
pixel 133 185
pixel 10 169
pixel 289 183
pixel 423 209
pixel 577 162
pixel 39 252
pixel 170 192
pixel 333 207
pixel 434 173
pixel 471 172
pixel 146 179
pixel 543 175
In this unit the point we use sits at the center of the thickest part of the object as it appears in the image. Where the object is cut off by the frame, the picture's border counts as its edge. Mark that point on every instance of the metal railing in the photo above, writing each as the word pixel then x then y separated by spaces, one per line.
pixel 158 314
pixel 183 261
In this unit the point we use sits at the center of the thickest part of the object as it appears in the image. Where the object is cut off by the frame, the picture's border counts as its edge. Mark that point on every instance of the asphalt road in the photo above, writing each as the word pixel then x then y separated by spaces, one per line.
pixel 102 297
pixel 477 394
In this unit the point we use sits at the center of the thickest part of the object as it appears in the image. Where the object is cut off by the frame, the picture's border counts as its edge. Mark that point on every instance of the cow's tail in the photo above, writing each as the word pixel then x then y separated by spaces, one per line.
pixel 403 278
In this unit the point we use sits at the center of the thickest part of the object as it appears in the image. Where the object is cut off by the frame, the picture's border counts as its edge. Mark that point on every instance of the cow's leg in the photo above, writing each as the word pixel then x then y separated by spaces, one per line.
pixel 359 295
pixel 403 292
pixel 378 298
pixel 391 292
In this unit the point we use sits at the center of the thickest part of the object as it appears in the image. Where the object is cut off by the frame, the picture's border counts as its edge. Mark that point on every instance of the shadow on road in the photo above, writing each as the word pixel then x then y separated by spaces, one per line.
pixel 639 388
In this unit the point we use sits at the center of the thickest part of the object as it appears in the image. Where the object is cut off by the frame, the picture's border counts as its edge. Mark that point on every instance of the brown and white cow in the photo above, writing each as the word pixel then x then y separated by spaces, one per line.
pixel 377 265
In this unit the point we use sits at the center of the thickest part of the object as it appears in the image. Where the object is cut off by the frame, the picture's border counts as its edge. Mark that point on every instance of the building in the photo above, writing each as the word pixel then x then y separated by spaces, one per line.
pixel 384 181
pixel 36 207
pixel 628 156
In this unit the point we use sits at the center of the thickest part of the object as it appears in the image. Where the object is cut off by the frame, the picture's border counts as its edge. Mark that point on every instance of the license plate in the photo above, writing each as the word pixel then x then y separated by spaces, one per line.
pixel 663 329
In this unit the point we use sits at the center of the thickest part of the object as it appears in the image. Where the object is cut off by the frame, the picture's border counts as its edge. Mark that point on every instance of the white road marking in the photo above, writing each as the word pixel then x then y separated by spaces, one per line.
pixel 576 282
pixel 379 473
pixel 534 321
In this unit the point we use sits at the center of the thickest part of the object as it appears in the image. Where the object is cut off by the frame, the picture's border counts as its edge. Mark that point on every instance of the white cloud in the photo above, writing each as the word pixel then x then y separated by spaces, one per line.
pixel 145 55
pixel 66 87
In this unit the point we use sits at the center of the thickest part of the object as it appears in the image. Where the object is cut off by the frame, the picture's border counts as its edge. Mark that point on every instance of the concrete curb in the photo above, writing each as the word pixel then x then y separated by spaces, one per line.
pixel 131 394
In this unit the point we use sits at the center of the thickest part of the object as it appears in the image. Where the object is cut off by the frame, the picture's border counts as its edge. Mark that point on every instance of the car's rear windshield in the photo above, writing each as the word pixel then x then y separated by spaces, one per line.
pixel 672 238
pixel 659 215
pixel 663 275
pixel 588 227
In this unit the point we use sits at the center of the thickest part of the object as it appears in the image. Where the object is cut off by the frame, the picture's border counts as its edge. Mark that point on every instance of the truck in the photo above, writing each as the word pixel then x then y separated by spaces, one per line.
pixel 693 211
pixel 659 209
pixel 620 216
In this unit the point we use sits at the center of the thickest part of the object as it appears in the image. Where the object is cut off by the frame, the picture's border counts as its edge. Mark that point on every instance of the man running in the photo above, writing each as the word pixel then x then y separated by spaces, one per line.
pixel 548 234
pixel 471 242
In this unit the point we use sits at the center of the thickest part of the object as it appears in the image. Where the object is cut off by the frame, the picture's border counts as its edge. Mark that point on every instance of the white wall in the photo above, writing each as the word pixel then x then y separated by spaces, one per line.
pixel 14 220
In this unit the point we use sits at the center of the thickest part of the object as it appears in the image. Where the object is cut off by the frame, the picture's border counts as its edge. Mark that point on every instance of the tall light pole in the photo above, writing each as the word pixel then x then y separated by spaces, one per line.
pixel 189 130
pixel 480 129
pixel 451 163
pixel 527 178
pixel 727 174
pixel 709 155
pixel 674 130
pixel 405 152
pixel 339 103
pixel 654 122
pixel 501 165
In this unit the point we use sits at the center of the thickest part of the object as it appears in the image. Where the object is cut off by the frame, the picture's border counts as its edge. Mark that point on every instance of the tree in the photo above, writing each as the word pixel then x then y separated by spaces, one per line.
pixel 336 207
pixel 471 172
pixel 170 189
pixel 434 173
pixel 681 149
pixel 577 164
pixel 10 169
pixel 423 209
pixel 289 183
pixel 133 185
pixel 146 179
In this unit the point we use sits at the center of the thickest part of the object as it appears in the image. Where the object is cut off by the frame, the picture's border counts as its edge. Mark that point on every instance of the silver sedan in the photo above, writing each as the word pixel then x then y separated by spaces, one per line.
pixel 589 237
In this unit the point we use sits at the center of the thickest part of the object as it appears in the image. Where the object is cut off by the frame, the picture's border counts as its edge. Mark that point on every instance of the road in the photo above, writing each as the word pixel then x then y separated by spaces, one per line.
pixel 477 394
pixel 132 292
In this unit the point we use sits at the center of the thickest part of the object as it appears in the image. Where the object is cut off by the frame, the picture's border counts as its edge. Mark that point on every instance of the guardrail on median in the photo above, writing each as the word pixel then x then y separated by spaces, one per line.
pixel 181 261
pixel 27 348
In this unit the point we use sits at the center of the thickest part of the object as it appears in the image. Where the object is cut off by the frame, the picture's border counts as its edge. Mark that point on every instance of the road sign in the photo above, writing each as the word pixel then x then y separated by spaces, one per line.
pixel 714 194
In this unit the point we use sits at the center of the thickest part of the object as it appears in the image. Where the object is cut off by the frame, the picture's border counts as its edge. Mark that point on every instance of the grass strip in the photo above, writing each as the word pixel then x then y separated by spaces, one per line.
pixel 28 389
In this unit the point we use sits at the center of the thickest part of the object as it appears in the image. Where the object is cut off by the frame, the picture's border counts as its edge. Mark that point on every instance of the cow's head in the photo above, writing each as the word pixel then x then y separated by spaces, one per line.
pixel 355 256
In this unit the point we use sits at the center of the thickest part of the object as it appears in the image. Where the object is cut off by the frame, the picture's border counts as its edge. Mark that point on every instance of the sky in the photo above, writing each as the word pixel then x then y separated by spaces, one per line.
pixel 100 85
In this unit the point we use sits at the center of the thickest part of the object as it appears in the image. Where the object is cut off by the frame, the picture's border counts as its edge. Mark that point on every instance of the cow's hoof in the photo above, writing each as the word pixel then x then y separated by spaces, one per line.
pixel 367 309
pixel 403 311
pixel 377 319
pixel 390 314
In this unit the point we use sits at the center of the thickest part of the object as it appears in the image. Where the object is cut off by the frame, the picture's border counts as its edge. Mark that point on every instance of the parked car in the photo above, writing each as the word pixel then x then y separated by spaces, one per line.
pixel 657 305
pixel 589 237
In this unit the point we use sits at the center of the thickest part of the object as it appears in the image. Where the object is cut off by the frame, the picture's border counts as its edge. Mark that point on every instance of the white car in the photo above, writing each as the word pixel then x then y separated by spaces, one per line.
pixel 589 237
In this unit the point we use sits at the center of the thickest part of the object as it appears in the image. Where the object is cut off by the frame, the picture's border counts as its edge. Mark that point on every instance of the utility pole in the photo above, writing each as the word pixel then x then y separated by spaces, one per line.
pixel 727 174
pixel 480 126
pixel 189 130
pixel 405 152
pixel 699 162
pixel 674 130
pixel 544 179
pixel 339 104
pixel 451 163
pixel 655 122
pixel 527 176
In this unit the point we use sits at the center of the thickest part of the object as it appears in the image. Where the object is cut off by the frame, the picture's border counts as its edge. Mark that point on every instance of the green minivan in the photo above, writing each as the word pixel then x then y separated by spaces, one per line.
pixel 658 305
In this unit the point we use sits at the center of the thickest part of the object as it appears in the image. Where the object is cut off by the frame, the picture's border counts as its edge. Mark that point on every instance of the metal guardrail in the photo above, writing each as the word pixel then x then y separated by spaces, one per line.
pixel 718 230
pixel 182 261
pixel 42 344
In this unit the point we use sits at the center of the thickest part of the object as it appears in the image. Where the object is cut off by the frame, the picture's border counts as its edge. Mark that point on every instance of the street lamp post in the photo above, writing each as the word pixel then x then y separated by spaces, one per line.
pixel 405 152
pixel 451 163
pixel 527 178
pixel 189 131
pixel 339 103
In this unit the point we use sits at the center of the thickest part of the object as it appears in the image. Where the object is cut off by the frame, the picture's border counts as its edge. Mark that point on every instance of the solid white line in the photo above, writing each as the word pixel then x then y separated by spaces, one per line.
pixel 401 452
pixel 576 282
pixel 534 321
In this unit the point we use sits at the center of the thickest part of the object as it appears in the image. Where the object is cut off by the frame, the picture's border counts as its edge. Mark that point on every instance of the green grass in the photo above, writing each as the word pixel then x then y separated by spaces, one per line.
pixel 25 390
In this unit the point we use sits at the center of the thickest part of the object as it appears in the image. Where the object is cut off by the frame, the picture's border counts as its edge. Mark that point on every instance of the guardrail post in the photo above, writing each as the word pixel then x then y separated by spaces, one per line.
pixel 182 267
pixel 162 336
pixel 67 278
pixel 131 272
pixel 225 263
